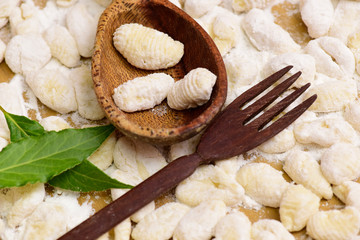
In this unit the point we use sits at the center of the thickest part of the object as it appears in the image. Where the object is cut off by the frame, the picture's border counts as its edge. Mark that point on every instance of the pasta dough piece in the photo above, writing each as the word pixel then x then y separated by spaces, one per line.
pixel 354 45
pixel 228 227
pixel 104 3
pixel 54 89
pixel 3 22
pixel 263 183
pixel 65 3
pixel 328 131
pixel 199 223
pixel 161 223
pixel 340 163
pixel 54 123
pixel 349 193
pixel 7 6
pixel 88 105
pixel 197 8
pixel 245 5
pixel 333 58
pixel 183 148
pixel 304 169
pixel 317 16
pixel 352 114
pixel 103 156
pixel 297 205
pixel 209 182
pixel 31 197
pixel 27 53
pixel 193 90
pixel 147 48
pixel 334 224
pixel 2 50
pixel 143 93
pixel 62 45
pixel 280 143
pixel 269 229
pixel 265 35
pixel 300 62
pixel 82 27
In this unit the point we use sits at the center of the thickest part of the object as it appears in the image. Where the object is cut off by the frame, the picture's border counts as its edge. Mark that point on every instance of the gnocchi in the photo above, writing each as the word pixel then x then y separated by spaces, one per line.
pixel 54 123
pixel 197 8
pixel 157 52
pixel 228 227
pixel 304 169
pixel 200 221
pixel 269 229
pixel 280 143
pixel 2 50
pixel 263 183
pixel 297 205
pixel 193 90
pixel 143 93
pixel 245 5
pixel 334 224
pixel 103 156
pixel 354 45
pixel 340 163
pixel 6 7
pixel 265 35
pixel 65 3
pixel 352 114
pixel 348 192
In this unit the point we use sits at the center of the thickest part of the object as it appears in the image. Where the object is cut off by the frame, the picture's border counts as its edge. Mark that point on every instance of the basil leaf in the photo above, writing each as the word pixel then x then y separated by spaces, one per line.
pixel 21 127
pixel 39 158
pixel 86 177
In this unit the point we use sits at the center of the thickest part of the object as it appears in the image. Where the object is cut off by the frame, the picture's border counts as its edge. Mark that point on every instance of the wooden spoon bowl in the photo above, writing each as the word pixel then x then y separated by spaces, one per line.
pixel 161 124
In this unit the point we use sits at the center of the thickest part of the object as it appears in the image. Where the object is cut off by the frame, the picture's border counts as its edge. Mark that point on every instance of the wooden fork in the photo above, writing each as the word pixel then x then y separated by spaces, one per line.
pixel 230 134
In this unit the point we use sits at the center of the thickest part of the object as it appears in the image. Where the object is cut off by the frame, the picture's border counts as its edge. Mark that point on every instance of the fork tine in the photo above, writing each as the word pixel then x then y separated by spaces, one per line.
pixel 269 97
pixel 287 119
pixel 258 88
pixel 267 116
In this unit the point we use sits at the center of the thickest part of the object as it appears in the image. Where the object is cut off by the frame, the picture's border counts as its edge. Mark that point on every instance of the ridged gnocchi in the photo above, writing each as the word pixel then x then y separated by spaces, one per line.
pixel 266 35
pixel 228 227
pixel 193 90
pixel 300 62
pixel 354 45
pixel 161 223
pixel 328 131
pixel 297 205
pixel 82 26
pixel 200 221
pixel 62 45
pixel 341 224
pixel 209 182
pixel 349 193
pixel 88 105
pixel 341 163
pixel 27 53
pixel 352 114
pixel 263 183
pixel 317 16
pixel 280 143
pixel 143 93
pixel 269 229
pixel 6 7
pixel 147 48
pixel 197 8
pixel 333 58
pixel 304 169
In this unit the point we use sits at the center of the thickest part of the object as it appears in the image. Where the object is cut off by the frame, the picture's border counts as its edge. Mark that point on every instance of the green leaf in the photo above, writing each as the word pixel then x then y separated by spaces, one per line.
pixel 86 177
pixel 39 158
pixel 21 127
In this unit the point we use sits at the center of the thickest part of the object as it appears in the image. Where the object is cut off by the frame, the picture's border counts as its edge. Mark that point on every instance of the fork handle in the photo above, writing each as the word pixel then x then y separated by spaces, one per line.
pixel 139 196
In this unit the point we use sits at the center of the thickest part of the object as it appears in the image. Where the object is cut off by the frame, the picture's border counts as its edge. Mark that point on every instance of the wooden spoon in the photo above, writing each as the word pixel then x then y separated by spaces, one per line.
pixel 160 125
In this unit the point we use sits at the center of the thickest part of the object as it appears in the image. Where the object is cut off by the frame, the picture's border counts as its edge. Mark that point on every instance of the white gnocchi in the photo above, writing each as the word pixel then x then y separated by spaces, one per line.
pixel 103 156
pixel 62 45
pixel 197 8
pixel 193 90
pixel 245 5
pixel 280 143
pixel 2 50
pixel 200 221
pixel 65 3
pixel 147 48
pixel 349 193
pixel 354 45
pixel 334 224
pixel 269 229
pixel 143 93
pixel 263 183
pixel 235 225
pixel 297 205
pixel 7 6
pixel 352 114
pixel 266 35
pixel 54 123
pixel 304 169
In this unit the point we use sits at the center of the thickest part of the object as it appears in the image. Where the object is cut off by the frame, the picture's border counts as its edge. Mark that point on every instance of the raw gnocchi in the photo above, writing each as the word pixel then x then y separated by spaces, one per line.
pixel 269 229
pixel 2 50
pixel 340 163
pixel 304 169
pixel 280 143
pixel 228 227
pixel 263 183
pixel 158 51
pixel 265 35
pixel 334 224
pixel 54 123
pixel 197 8
pixel 7 6
pixel 200 221
pixel 193 90
pixel 297 205
pixel 103 156
pixel 245 5
pixel 143 93
pixel 354 45
pixel 65 3
pixel 349 193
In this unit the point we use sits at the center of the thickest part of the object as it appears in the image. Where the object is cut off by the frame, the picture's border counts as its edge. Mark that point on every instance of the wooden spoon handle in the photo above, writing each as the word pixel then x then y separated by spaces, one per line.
pixel 136 198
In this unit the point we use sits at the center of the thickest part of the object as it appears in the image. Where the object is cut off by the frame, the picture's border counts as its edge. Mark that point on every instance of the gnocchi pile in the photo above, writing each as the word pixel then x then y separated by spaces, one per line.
pixel 150 49
pixel 301 184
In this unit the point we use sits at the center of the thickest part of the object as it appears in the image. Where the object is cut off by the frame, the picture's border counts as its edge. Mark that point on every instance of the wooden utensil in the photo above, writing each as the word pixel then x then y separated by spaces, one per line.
pixel 230 134
pixel 160 125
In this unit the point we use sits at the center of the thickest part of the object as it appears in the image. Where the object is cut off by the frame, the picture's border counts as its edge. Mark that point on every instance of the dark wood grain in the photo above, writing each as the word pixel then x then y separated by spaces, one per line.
pixel 228 135
pixel 160 125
